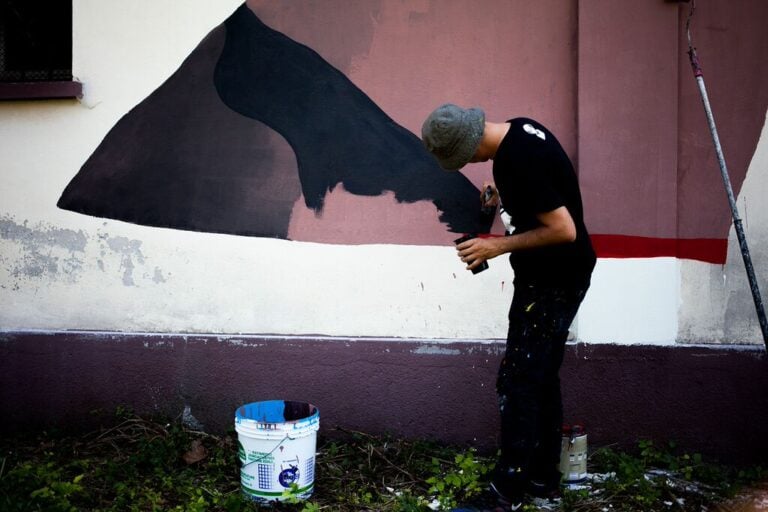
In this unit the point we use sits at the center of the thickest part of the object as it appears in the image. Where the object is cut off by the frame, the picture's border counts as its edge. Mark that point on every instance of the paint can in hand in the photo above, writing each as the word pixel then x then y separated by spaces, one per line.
pixel 483 265
pixel 573 454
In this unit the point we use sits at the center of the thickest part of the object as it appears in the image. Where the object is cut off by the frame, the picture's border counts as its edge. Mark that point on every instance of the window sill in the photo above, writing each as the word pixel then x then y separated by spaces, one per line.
pixel 40 90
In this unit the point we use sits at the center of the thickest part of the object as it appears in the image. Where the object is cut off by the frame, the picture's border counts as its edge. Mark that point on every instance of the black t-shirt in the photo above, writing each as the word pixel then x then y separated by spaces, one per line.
pixel 534 175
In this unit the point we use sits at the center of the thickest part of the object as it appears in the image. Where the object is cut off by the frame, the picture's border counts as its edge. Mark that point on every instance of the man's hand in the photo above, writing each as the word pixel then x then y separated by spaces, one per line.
pixel 477 250
pixel 556 227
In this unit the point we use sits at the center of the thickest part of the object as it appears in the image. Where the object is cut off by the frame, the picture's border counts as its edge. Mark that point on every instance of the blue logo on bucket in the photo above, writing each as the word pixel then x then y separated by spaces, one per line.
pixel 288 476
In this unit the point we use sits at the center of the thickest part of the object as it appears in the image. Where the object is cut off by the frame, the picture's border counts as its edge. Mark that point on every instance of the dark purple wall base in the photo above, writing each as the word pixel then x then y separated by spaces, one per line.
pixel 41 90
pixel 709 400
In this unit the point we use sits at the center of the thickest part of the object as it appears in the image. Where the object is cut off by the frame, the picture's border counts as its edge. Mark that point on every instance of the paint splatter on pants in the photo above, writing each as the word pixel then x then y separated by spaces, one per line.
pixel 528 383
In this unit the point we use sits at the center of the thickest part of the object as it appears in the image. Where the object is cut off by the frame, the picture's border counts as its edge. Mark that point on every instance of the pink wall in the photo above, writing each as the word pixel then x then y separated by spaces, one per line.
pixel 610 78
pixel 514 59
pixel 732 44
pixel 628 117
pixel 646 158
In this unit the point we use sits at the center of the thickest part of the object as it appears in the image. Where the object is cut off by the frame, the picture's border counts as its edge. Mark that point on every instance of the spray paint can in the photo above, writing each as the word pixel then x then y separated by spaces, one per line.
pixel 573 454
pixel 470 236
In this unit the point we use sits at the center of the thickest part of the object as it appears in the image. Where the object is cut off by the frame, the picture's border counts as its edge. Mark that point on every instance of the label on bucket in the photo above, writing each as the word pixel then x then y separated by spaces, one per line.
pixel 254 456
pixel 573 458
pixel 280 471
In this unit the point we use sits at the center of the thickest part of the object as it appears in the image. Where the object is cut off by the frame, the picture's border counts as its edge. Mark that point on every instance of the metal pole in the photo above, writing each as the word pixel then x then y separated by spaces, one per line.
pixel 727 182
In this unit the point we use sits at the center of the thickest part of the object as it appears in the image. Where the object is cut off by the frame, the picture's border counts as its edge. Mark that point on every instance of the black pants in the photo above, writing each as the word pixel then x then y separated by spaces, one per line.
pixel 528 383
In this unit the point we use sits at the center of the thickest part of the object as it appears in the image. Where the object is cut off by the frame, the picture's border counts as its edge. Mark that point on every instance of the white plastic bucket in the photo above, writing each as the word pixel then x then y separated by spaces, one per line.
pixel 276 441
pixel 573 454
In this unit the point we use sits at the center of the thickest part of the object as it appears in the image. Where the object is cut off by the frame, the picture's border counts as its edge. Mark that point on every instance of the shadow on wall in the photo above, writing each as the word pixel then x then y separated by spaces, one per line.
pixel 251 123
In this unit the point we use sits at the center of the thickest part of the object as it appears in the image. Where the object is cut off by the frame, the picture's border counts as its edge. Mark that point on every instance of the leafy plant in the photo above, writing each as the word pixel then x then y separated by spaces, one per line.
pixel 652 478
pixel 45 487
pixel 155 464
pixel 462 480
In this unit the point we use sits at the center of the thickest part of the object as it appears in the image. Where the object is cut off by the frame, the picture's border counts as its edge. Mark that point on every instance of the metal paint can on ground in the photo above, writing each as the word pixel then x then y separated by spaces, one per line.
pixel 277 441
pixel 573 454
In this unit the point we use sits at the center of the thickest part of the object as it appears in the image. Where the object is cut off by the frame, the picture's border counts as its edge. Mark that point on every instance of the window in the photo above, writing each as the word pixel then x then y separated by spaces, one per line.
pixel 36 49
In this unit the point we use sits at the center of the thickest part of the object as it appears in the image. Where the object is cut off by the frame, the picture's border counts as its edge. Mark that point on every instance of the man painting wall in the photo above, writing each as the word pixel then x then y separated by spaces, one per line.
pixel 552 258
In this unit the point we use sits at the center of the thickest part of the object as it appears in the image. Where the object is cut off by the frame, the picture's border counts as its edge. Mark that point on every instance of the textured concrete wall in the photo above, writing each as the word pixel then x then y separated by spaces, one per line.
pixel 628 116
pixel 384 336
pixel 60 270
pixel 705 399
pixel 717 302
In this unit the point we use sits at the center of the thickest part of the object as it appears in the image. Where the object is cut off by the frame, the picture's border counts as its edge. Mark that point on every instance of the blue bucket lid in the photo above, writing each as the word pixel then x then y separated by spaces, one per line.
pixel 277 411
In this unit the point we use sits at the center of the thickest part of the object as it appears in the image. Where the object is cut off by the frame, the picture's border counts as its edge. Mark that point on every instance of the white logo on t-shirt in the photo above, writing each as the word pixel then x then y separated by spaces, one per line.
pixel 534 131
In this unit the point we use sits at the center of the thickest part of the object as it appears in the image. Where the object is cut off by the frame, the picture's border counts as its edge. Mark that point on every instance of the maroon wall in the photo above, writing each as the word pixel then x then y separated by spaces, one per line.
pixel 709 400
pixel 627 106
pixel 732 44
pixel 646 159
pixel 611 79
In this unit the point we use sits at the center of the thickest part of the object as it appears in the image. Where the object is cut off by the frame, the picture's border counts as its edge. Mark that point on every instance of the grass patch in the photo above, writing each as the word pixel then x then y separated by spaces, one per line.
pixel 143 464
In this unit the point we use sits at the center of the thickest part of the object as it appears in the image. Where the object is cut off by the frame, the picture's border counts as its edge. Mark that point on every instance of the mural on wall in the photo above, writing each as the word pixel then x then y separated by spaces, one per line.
pixel 250 123
pixel 297 120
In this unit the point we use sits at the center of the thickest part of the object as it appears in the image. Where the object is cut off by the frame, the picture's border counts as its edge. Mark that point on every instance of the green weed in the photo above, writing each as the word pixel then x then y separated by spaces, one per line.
pixel 143 464
pixel 459 481
pixel 653 478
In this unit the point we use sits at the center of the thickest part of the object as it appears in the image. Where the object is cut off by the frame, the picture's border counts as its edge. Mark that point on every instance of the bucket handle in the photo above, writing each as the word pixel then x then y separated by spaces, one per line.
pixel 286 438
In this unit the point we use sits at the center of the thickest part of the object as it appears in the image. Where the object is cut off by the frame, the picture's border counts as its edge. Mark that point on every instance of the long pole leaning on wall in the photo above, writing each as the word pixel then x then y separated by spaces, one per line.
pixel 697 72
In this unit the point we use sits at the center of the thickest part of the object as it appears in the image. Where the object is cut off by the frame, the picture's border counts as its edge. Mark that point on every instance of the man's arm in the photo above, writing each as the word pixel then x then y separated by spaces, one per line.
pixel 557 227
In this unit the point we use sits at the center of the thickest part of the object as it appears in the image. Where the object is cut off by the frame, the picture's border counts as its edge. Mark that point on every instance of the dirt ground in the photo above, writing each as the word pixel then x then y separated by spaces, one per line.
pixel 753 499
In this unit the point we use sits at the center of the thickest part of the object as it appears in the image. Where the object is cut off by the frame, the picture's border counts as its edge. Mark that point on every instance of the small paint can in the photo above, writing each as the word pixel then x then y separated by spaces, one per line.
pixel 573 454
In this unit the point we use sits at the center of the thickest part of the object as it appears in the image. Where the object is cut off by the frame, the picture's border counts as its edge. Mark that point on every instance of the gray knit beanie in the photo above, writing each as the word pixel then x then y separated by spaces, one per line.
pixel 452 134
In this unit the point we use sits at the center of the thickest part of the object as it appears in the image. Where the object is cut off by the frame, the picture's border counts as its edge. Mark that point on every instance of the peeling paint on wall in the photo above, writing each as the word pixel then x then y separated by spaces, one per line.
pixel 158 277
pixel 45 251
pixel 717 300
pixel 433 350
pixel 128 251
pixel 40 252
pixel 64 271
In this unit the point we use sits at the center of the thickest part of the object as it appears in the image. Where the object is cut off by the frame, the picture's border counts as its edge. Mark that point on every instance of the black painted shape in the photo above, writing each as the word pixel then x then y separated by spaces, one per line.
pixel 339 134
pixel 182 159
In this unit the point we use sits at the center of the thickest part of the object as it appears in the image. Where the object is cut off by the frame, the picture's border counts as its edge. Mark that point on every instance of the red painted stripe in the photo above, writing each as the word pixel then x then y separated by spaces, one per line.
pixel 710 250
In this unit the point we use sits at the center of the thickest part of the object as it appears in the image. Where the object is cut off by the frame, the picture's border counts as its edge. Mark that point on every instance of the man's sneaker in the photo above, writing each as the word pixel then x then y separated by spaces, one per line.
pixel 508 488
pixel 512 499
pixel 549 490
